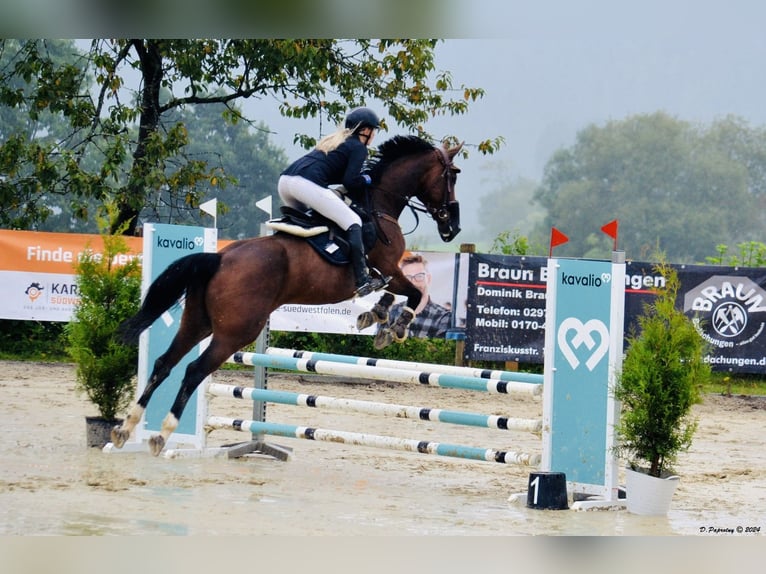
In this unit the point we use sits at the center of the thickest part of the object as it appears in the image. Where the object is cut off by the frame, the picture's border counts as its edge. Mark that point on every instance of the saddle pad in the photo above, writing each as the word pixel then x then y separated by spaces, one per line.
pixel 280 225
pixel 323 243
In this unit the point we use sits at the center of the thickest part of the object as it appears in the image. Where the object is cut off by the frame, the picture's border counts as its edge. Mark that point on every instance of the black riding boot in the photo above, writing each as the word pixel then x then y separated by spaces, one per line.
pixel 364 283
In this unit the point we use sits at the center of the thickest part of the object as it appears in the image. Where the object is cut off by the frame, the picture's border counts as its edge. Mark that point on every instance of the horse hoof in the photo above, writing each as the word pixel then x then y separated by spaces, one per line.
pixel 119 436
pixel 380 314
pixel 399 334
pixel 364 320
pixel 156 444
pixel 383 338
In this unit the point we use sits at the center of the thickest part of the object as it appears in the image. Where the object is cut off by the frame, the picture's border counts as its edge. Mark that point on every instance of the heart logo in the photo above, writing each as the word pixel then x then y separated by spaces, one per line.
pixel 582 336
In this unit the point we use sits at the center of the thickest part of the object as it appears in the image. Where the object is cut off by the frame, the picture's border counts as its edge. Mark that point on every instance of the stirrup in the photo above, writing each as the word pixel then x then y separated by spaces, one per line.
pixel 371 285
pixel 378 276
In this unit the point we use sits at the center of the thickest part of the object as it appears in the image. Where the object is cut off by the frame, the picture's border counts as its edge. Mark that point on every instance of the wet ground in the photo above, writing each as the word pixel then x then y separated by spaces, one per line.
pixel 52 484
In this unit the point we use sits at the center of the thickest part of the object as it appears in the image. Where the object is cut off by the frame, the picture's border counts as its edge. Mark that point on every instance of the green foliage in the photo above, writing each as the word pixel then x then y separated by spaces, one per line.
pixel 109 294
pixel 730 384
pixel 673 185
pixel 439 351
pixel 248 167
pixel 510 243
pixel 126 144
pixel 32 340
pixel 661 377
pixel 751 254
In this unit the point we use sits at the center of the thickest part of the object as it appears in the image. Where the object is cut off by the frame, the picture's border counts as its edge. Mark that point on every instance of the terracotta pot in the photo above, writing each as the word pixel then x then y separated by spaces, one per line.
pixel 648 495
pixel 98 430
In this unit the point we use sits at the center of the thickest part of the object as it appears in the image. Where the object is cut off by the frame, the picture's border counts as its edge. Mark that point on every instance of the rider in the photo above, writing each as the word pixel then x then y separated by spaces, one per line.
pixel 337 159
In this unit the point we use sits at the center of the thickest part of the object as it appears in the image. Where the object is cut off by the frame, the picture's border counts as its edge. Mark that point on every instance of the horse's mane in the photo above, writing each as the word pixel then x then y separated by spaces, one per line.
pixel 393 149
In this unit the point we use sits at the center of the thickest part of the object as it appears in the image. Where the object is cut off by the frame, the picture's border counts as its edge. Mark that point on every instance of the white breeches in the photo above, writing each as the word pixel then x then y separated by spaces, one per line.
pixel 300 193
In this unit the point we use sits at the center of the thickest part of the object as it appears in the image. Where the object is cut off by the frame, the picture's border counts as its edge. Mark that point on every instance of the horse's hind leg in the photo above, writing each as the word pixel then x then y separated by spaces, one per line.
pixel 188 335
pixel 162 367
pixel 196 371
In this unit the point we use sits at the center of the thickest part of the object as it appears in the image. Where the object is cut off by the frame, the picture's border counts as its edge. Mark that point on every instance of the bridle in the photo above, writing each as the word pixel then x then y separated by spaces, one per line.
pixel 442 213
pixel 439 213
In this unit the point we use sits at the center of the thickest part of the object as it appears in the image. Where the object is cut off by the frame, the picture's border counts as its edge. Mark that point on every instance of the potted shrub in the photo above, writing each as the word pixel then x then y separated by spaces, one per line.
pixel 110 292
pixel 659 383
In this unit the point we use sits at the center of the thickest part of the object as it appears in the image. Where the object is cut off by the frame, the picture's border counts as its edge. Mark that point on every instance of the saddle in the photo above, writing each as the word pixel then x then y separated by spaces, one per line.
pixel 323 234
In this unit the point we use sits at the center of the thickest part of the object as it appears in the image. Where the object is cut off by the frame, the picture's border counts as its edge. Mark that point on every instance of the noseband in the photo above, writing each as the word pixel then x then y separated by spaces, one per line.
pixel 442 213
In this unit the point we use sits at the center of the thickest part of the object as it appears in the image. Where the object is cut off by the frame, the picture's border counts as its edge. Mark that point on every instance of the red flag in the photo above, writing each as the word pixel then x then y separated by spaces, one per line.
pixel 611 230
pixel 557 238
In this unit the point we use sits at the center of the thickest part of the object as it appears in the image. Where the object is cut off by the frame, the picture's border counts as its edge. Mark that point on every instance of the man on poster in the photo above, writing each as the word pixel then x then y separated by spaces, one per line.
pixel 431 319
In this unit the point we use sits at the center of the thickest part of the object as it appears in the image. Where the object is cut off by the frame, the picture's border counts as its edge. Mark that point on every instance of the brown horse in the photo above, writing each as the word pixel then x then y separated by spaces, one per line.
pixel 230 294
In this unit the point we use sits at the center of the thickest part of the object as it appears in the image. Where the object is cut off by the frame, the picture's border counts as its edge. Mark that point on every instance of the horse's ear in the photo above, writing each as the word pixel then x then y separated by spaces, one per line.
pixel 452 152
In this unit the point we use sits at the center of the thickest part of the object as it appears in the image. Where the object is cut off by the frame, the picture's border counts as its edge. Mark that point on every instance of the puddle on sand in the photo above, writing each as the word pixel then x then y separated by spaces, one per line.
pixel 96 525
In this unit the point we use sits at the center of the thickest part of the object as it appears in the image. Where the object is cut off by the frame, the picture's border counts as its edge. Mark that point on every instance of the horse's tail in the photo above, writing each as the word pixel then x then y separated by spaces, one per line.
pixel 191 272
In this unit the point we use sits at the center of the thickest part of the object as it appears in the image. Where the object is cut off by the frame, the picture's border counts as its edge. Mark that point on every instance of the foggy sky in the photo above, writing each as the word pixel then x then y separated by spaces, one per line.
pixel 566 65
pixel 550 68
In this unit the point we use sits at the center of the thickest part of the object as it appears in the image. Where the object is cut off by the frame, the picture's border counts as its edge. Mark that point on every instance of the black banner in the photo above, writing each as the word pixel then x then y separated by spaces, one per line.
pixel 506 309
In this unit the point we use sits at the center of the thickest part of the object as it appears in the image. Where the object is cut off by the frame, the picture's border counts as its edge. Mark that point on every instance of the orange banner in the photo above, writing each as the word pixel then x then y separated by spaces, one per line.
pixel 53 252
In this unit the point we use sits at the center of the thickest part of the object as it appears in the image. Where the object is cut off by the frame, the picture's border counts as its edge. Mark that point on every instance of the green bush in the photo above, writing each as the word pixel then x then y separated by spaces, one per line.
pixel 32 340
pixel 109 294
pixel 661 377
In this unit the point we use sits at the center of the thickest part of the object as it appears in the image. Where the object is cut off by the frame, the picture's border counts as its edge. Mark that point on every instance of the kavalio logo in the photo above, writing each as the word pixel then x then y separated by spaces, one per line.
pixel 589 280
pixel 574 334
pixel 179 243
pixel 730 308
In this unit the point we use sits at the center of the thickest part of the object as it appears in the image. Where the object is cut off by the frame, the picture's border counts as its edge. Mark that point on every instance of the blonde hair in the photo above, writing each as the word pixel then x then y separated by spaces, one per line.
pixel 330 142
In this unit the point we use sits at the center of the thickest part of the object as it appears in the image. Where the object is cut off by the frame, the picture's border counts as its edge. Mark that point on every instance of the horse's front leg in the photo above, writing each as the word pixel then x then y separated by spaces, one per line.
pixel 397 330
pixel 378 313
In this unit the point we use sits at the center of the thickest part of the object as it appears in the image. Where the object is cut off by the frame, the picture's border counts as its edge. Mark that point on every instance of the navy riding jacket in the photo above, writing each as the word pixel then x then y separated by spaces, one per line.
pixel 343 165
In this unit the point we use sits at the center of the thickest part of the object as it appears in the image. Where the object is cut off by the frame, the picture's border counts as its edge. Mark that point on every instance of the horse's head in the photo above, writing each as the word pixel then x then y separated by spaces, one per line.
pixel 407 167
pixel 438 194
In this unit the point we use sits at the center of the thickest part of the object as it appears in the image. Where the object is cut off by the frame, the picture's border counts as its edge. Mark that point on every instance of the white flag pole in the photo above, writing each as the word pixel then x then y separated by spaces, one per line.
pixel 265 205
pixel 211 208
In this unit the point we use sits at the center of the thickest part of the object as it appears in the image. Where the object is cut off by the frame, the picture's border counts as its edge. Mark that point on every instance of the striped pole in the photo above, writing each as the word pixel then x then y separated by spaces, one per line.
pixel 410 365
pixel 386 374
pixel 376 441
pixel 376 408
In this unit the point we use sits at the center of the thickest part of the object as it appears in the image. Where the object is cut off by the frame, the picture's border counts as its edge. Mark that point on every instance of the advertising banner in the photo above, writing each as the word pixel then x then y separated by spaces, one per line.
pixel 498 301
pixel 37 276
pixel 586 338
pixel 506 297
pixel 727 304
pixel 506 308
pixel 164 244
pixel 444 270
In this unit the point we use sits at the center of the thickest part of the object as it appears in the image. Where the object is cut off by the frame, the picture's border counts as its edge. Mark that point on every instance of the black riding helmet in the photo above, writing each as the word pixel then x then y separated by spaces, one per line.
pixel 359 118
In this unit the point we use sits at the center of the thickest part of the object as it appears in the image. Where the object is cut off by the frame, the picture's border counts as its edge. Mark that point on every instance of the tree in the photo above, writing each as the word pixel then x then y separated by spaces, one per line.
pixel 245 154
pixel 673 186
pixel 109 294
pixel 32 126
pixel 509 204
pixel 307 78
pixel 660 381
